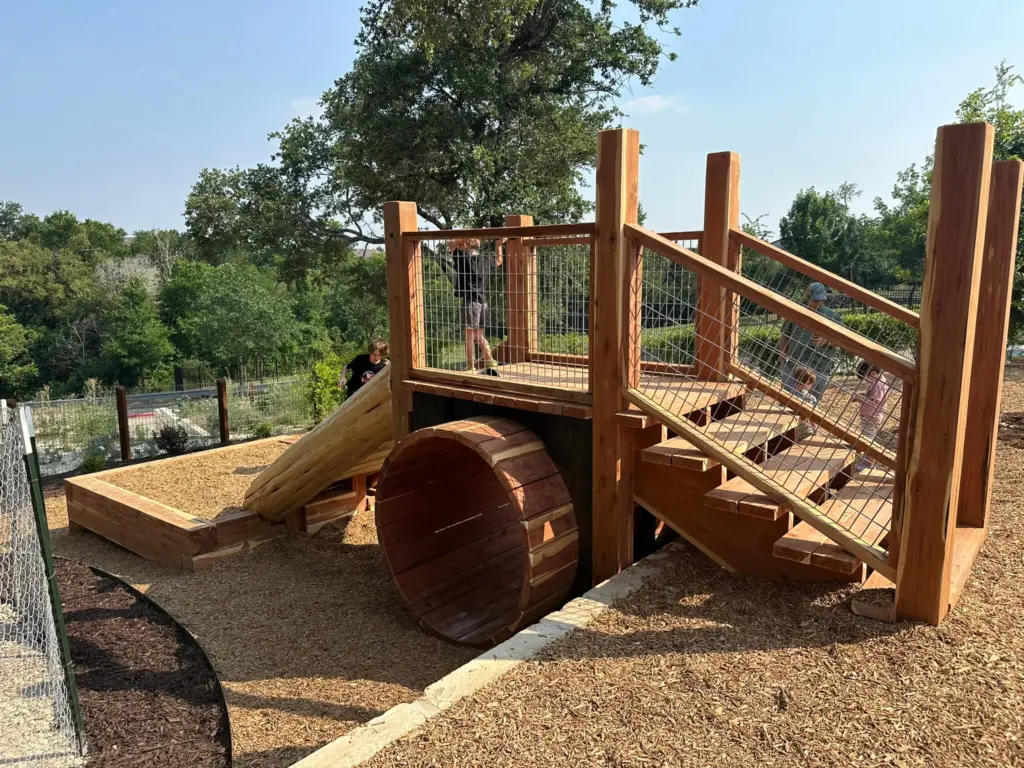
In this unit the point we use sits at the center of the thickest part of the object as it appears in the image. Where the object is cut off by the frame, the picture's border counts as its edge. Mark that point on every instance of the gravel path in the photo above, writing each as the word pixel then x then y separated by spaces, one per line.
pixel 705 668
pixel 307 633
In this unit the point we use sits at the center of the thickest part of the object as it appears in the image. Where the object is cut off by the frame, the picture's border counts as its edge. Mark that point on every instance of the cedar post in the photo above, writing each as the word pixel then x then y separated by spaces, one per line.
pixel 405 320
pixel 521 295
pixel 997 268
pixel 222 410
pixel 618 154
pixel 716 324
pixel 956 233
pixel 122 423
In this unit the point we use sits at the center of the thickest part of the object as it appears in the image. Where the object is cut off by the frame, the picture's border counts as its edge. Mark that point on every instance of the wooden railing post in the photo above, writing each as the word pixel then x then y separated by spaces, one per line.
pixel 520 296
pixel 716 324
pixel 405 323
pixel 997 268
pixel 222 410
pixel 956 233
pixel 618 155
pixel 123 430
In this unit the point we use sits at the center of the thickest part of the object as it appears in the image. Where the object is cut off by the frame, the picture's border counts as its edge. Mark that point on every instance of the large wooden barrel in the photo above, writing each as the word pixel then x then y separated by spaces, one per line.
pixel 477 527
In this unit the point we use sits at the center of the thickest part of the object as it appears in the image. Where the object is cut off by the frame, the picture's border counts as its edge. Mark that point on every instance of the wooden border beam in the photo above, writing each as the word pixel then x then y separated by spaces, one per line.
pixel 497 233
pixel 404 323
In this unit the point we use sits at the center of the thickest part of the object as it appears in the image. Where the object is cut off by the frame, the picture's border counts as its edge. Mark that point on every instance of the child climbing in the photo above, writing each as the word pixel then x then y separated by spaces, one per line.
pixel 471 288
pixel 872 404
pixel 364 367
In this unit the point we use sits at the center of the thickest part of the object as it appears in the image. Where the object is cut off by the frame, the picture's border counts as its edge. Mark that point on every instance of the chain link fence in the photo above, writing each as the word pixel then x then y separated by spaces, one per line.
pixel 37 725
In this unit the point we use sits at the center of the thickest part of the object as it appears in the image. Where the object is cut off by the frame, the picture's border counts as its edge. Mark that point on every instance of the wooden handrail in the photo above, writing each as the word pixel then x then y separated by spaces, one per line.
pixel 692 234
pixel 861 294
pixel 544 242
pixel 818 324
pixel 542 230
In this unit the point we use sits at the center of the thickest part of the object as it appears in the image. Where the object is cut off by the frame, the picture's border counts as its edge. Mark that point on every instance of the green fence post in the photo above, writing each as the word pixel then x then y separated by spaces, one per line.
pixel 43 531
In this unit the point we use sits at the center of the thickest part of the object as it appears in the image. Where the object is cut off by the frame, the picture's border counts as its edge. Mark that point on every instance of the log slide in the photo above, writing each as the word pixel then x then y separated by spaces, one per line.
pixel 346 443
pixel 477 528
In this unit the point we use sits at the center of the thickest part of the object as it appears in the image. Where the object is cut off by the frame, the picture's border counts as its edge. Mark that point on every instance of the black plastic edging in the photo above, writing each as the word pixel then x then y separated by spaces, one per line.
pixel 181 628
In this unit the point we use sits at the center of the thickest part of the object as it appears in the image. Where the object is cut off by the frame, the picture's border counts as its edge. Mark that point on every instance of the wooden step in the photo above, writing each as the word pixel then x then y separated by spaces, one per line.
pixel 698 401
pixel 801 469
pixel 738 434
pixel 863 507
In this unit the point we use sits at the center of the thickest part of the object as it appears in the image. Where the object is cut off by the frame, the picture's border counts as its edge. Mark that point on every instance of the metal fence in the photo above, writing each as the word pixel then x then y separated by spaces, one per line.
pixel 37 720
pixel 78 433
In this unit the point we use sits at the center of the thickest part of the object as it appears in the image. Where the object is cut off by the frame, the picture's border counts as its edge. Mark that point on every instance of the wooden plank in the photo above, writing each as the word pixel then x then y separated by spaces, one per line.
pixel 547 242
pixel 996 285
pixel 400 218
pixel 685 397
pixel 834 281
pixel 685 235
pixel 845 433
pixel 751 472
pixel 961 183
pixel 520 296
pixel 967 543
pixel 552 382
pixel 559 358
pixel 496 233
pixel 801 470
pixel 123 430
pixel 634 418
pixel 618 154
pixel 843 337
pixel 878 599
pixel 806 545
pixel 717 321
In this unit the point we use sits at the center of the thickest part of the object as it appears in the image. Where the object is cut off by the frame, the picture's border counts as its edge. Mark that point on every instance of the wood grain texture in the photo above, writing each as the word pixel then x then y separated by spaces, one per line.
pixel 400 218
pixel 477 528
pixel 956 232
pixel 993 320
pixel 520 294
pixel 717 321
pixel 618 153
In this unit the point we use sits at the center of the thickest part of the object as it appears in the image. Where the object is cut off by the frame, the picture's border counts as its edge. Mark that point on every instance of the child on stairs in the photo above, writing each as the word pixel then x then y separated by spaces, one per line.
pixel 872 404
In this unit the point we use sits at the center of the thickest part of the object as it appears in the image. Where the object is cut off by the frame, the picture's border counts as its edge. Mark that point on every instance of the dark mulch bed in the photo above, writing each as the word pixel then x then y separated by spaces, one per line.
pixel 149 695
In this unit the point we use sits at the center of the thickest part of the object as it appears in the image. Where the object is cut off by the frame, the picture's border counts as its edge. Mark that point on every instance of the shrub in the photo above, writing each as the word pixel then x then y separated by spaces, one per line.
pixel 895 335
pixel 172 439
pixel 263 429
pixel 322 387
pixel 93 462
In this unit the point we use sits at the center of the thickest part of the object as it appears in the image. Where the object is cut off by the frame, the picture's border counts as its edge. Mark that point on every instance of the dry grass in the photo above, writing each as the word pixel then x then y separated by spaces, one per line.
pixel 705 668
pixel 207 484
pixel 307 633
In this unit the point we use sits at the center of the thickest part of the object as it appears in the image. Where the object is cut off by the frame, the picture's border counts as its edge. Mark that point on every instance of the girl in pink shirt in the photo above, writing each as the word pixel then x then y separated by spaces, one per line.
pixel 872 403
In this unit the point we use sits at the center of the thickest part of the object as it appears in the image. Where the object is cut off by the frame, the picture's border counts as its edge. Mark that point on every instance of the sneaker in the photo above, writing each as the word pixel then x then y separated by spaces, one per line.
pixel 864 465
pixel 490 369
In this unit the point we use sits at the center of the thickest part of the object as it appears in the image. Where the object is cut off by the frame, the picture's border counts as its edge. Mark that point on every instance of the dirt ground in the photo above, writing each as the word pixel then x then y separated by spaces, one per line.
pixel 706 668
pixel 206 484
pixel 306 633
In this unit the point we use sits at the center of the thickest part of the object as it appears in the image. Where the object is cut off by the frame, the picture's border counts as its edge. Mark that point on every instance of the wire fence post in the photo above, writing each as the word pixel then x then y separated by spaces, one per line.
pixel 222 410
pixel 123 431
pixel 46 550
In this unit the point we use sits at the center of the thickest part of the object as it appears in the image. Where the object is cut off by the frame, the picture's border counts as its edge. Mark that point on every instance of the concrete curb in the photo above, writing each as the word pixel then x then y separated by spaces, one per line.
pixel 365 741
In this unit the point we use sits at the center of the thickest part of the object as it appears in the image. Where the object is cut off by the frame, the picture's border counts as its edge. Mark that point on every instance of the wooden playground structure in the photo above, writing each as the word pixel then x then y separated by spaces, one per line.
pixel 679 406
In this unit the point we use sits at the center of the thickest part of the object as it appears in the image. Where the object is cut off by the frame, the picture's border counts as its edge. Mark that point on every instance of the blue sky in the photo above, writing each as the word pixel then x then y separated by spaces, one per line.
pixel 111 108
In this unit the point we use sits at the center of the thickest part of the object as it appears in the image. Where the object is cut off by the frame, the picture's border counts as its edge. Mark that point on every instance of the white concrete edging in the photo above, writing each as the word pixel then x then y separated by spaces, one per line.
pixel 366 740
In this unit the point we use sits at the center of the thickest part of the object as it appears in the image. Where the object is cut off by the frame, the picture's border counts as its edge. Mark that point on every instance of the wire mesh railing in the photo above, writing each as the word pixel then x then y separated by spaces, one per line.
pixel 835 464
pixel 514 308
pixel 37 723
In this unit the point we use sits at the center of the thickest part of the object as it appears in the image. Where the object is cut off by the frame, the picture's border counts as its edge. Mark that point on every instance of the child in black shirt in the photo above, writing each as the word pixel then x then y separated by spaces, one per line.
pixel 365 367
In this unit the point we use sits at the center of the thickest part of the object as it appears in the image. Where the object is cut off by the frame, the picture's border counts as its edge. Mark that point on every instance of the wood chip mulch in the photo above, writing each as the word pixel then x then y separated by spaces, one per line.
pixel 706 668
pixel 148 694
pixel 207 484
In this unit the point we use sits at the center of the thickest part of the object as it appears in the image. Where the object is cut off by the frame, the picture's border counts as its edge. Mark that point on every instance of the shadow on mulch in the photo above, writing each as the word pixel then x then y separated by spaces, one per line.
pixel 148 693
pixel 1011 429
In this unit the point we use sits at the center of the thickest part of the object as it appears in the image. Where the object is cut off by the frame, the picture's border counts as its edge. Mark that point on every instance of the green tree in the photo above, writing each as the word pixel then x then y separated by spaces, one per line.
pixel 493 111
pixel 240 315
pixel 37 284
pixel 898 233
pixel 135 342
pixel 17 369
pixel 15 224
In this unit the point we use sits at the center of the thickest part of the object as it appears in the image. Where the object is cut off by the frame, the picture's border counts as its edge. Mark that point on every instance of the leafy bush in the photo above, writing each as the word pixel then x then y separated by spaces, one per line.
pixel 263 429
pixel 93 462
pixel 322 389
pixel 172 438
pixel 884 329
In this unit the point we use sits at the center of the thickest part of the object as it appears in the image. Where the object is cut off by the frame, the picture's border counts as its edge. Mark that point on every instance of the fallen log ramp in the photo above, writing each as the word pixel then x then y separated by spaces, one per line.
pixel 478 529
pixel 342 445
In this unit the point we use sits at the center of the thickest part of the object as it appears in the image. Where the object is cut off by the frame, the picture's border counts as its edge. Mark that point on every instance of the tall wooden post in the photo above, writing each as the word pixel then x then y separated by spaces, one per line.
pixel 222 410
pixel 521 295
pixel 618 156
pixel 997 268
pixel 123 430
pixel 956 234
pixel 717 320
pixel 405 316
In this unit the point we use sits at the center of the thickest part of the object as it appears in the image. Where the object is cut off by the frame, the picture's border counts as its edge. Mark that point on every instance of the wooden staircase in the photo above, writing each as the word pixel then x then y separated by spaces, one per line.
pixel 736 524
